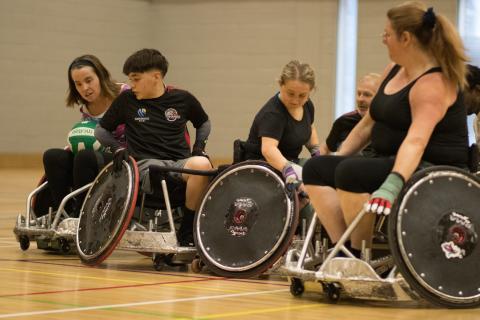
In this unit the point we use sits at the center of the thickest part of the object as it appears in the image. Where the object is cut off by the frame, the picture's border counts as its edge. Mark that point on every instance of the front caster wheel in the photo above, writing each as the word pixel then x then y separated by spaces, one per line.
pixel 24 243
pixel 197 265
pixel 64 245
pixel 158 262
pixel 332 291
pixel 296 287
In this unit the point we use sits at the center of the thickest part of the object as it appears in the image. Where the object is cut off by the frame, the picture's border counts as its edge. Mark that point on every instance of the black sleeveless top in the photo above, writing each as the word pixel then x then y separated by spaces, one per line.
pixel 448 144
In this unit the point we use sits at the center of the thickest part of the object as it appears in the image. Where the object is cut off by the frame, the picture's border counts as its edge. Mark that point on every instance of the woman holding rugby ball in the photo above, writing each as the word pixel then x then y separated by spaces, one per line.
pixel 90 87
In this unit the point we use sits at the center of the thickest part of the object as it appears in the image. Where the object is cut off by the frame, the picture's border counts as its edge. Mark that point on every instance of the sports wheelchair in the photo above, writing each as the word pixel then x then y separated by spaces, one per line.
pixel 120 211
pixel 433 240
pixel 52 231
pixel 243 225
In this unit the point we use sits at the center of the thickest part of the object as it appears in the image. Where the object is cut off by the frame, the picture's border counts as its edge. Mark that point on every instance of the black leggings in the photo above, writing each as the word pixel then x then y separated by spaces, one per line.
pixel 66 172
pixel 354 174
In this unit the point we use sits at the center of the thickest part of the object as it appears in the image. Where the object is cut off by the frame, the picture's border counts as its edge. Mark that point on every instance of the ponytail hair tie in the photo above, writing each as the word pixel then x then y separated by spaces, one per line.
pixel 429 18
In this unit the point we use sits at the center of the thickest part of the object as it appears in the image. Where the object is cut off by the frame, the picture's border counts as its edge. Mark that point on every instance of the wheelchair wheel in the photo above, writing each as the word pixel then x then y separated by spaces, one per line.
pixel 433 232
pixel 246 220
pixel 106 212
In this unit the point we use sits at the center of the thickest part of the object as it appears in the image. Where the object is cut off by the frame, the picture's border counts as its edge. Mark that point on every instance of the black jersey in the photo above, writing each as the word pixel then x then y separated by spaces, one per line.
pixel 449 141
pixel 274 121
pixel 156 128
pixel 341 128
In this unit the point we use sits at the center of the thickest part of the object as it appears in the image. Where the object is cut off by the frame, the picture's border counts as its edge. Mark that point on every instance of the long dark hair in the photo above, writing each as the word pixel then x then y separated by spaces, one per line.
pixel 109 88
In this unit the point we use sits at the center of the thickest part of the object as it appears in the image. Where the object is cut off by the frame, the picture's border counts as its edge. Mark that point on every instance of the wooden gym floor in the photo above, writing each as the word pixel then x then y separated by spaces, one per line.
pixel 39 285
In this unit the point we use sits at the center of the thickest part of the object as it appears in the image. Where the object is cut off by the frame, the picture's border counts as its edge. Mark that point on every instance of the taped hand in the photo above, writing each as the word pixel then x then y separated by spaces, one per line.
pixel 381 200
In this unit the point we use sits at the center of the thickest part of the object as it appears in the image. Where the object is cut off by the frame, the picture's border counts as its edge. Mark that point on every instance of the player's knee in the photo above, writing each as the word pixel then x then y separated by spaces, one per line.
pixel 198 163
pixel 85 158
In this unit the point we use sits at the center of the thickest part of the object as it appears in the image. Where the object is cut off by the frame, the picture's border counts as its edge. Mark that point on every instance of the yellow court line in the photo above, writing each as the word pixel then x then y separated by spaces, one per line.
pixel 203 289
pixel 75 275
pixel 258 311
pixel 136 304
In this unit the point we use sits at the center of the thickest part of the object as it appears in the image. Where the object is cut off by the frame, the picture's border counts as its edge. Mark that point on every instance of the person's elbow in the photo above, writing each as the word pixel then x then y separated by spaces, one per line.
pixel 267 151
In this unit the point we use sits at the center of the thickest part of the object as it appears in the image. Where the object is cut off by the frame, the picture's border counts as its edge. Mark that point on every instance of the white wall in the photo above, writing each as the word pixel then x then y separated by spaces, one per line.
pixel 38 40
pixel 228 53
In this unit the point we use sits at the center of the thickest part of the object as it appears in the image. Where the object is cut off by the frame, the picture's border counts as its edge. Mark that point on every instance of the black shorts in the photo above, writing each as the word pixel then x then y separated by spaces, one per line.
pixel 354 174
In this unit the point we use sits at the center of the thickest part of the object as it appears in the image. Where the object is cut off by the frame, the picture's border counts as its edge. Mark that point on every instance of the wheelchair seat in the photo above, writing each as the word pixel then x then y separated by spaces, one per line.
pixel 243 150
pixel 154 198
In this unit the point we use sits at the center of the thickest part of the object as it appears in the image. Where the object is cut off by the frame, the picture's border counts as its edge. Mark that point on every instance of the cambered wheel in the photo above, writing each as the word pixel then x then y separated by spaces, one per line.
pixel 106 212
pixel 24 243
pixel 246 220
pixel 433 234
pixel 296 287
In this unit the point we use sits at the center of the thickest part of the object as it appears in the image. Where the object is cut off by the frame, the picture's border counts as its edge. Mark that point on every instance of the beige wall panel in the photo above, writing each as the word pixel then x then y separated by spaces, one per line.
pixel 38 40
pixel 230 53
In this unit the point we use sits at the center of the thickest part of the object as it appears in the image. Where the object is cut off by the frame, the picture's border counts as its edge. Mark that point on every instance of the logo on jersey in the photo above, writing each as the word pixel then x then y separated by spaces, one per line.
pixel 142 115
pixel 171 114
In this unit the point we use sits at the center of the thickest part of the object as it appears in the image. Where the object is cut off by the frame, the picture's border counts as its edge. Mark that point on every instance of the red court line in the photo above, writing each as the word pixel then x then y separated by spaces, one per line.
pixel 43 259
pixel 101 288
pixel 104 267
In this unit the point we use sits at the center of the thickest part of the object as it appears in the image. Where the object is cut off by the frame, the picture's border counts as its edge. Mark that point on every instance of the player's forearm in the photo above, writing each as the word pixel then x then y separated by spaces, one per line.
pixel 106 138
pixel 201 135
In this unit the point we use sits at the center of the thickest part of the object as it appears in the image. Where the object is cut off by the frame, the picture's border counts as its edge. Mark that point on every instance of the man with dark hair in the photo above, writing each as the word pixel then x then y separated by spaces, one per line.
pixel 155 118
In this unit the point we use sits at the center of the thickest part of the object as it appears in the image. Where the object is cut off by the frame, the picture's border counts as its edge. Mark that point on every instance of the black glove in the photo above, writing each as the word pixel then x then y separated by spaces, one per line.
pixel 119 156
pixel 199 150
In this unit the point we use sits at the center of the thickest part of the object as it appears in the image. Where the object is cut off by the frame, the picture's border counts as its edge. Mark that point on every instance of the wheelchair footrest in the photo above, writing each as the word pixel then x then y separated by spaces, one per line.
pixel 146 241
pixel 357 280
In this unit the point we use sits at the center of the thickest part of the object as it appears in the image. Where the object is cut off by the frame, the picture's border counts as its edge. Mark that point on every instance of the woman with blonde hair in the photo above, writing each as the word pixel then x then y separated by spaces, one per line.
pixel 285 123
pixel 416 119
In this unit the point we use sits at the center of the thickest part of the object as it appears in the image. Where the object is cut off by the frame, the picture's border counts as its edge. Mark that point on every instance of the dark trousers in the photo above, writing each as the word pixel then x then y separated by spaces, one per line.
pixel 66 172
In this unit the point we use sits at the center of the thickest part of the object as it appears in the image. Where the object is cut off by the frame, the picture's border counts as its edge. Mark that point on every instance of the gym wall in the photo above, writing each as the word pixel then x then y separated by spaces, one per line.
pixel 228 53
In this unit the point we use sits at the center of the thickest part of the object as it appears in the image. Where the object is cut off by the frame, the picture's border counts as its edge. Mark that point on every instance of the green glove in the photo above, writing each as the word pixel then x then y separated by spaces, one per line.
pixel 381 200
